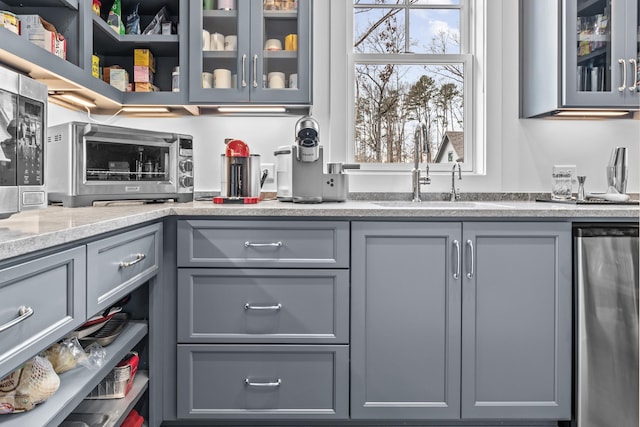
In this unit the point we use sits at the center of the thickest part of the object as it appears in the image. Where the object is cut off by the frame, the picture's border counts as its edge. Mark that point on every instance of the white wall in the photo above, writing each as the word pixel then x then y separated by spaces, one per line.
pixel 520 152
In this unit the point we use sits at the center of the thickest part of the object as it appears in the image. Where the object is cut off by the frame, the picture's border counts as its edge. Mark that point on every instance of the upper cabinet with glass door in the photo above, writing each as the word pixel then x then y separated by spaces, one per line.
pixel 250 51
pixel 602 53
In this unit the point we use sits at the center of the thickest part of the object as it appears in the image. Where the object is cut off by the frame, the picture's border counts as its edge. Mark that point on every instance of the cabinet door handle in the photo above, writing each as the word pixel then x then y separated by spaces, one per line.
pixel 244 63
pixel 456 245
pixel 249 306
pixel 23 313
pixel 624 74
pixel 125 264
pixel 634 72
pixel 255 70
pixel 472 260
pixel 262 245
pixel 275 383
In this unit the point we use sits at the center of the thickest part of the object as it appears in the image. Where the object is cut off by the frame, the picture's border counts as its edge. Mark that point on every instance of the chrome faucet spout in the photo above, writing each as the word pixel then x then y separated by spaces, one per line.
pixel 420 146
pixel 455 193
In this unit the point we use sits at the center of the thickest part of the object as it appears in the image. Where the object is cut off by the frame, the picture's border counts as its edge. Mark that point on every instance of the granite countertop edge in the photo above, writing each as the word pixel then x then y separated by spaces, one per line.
pixel 34 230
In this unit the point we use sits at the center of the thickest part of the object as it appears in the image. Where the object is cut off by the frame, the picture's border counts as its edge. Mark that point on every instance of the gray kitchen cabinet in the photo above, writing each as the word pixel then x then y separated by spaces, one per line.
pixel 42 300
pixel 263 305
pixel 579 54
pixel 87 34
pixel 62 288
pixel 119 264
pixel 262 320
pixel 466 320
pixel 405 321
pixel 516 320
pixel 263 382
pixel 249 65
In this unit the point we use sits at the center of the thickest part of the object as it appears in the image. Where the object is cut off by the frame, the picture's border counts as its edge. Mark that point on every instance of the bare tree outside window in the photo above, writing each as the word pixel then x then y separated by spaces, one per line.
pixel 408 70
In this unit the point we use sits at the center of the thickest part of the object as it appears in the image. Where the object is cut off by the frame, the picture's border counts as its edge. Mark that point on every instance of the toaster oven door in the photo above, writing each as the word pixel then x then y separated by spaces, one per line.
pixel 127 165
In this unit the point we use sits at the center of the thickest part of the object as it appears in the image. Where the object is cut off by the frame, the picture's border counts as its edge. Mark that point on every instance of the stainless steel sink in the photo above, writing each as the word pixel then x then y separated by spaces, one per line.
pixel 438 204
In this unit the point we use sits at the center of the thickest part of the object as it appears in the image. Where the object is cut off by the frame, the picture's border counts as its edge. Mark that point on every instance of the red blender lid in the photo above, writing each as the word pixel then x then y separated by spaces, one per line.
pixel 237 148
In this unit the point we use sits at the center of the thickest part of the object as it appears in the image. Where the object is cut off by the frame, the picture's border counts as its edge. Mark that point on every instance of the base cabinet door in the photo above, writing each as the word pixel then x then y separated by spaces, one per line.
pixel 405 321
pixel 262 382
pixel 516 321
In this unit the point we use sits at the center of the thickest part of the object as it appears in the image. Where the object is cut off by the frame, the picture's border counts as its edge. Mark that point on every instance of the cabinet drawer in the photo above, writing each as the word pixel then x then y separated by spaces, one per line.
pixel 53 287
pixel 314 244
pixel 259 382
pixel 117 265
pixel 253 305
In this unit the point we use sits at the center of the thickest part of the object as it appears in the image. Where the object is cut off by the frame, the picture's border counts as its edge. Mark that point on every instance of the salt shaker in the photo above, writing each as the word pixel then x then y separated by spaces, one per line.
pixel 581 194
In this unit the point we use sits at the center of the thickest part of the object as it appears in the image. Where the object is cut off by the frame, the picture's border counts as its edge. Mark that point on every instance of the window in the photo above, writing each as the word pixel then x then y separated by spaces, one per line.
pixel 412 64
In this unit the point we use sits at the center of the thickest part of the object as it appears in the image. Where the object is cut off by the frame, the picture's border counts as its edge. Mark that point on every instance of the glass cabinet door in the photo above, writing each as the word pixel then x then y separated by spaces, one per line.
pixel 597 65
pixel 219 45
pixel 281 56
pixel 246 51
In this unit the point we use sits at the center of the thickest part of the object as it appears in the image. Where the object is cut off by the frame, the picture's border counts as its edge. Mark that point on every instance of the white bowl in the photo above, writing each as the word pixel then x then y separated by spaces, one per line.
pixel 273 44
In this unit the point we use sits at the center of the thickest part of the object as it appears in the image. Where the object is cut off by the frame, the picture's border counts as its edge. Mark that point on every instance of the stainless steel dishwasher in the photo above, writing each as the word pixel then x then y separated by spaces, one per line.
pixel 606 262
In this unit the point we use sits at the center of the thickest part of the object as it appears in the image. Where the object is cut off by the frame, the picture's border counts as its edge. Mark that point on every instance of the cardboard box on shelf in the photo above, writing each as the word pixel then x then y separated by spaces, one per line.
pixel 95 66
pixel 146 87
pixel 119 78
pixel 43 34
pixel 144 57
pixel 142 74
pixel 106 72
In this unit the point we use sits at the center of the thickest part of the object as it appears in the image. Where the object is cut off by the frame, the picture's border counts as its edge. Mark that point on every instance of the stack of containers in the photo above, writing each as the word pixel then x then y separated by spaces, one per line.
pixel 144 67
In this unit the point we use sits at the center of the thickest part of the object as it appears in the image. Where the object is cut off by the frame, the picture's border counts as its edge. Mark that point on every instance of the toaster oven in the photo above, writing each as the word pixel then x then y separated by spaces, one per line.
pixel 89 163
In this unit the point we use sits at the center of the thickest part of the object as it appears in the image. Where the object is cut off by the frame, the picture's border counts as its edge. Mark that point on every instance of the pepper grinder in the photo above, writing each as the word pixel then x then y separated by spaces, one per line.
pixel 581 194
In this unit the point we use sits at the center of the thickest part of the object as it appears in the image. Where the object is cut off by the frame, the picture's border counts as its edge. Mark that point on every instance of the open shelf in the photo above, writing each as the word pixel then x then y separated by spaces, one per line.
pixel 114 411
pixel 77 383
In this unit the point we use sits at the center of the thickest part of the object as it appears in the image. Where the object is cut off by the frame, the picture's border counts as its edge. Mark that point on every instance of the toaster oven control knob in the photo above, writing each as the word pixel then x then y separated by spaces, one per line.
pixel 186 181
pixel 185 165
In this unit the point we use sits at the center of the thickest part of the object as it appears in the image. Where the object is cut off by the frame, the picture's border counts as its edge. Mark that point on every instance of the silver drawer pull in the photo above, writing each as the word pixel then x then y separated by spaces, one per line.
pixel 249 306
pixel 262 245
pixel 125 264
pixel 23 313
pixel 276 383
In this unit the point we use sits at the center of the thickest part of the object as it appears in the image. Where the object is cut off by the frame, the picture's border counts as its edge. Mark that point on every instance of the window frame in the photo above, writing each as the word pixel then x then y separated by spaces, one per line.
pixel 471 57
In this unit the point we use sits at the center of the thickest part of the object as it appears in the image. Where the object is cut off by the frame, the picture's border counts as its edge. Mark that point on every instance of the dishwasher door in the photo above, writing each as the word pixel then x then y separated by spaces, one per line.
pixel 606 262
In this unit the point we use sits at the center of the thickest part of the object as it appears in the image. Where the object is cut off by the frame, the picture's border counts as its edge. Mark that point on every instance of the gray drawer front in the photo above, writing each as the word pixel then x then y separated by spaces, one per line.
pixel 252 305
pixel 313 381
pixel 55 288
pixel 313 244
pixel 108 279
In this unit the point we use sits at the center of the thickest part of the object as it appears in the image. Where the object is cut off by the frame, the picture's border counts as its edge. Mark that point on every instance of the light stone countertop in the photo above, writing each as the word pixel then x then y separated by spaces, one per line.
pixel 34 230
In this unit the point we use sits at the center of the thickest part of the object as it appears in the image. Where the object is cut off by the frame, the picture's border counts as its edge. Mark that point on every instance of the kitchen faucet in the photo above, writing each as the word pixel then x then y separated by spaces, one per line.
pixel 455 194
pixel 420 146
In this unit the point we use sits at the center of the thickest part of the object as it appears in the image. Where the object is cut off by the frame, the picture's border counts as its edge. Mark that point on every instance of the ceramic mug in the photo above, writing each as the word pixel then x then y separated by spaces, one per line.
pixel 217 41
pixel 291 42
pixel 221 78
pixel 206 40
pixel 293 81
pixel 231 42
pixel 207 80
pixel 276 80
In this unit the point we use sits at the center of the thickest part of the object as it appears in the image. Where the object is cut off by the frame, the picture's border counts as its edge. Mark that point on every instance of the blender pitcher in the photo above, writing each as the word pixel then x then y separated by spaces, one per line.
pixel 617 171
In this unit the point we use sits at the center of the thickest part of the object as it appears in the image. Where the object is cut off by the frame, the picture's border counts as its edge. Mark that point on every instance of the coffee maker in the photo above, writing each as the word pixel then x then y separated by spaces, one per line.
pixel 306 163
pixel 240 180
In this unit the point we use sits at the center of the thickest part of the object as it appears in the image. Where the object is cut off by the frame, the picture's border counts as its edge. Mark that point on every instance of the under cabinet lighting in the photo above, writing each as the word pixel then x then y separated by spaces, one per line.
pixel 254 109
pixel 75 99
pixel 591 113
pixel 145 109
